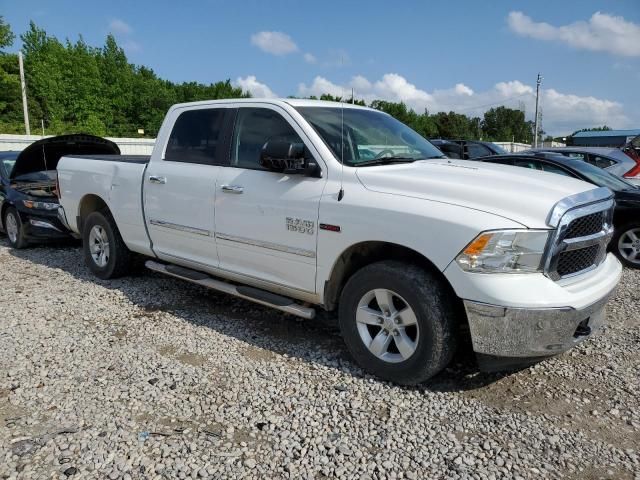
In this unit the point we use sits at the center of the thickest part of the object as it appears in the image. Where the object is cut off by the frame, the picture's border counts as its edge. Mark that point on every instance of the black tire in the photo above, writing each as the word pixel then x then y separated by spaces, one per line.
pixel 434 308
pixel 623 254
pixel 118 260
pixel 17 240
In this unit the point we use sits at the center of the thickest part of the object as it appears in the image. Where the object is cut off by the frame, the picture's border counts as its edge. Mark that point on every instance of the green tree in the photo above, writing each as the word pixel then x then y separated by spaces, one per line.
pixel 603 128
pixel 456 125
pixel 10 95
pixel 76 87
pixel 423 123
pixel 6 35
pixel 506 125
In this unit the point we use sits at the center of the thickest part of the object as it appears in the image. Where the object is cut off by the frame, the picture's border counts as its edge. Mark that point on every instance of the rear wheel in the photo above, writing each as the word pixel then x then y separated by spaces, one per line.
pixel 398 322
pixel 13 227
pixel 626 244
pixel 105 253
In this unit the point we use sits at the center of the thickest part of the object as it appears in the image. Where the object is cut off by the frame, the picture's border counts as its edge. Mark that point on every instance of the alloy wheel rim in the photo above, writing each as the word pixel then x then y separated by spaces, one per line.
pixel 629 245
pixel 12 228
pixel 99 246
pixel 387 325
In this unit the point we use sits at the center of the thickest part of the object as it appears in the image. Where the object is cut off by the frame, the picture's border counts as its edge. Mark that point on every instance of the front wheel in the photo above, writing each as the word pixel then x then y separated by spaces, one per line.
pixel 626 244
pixel 398 321
pixel 105 253
pixel 14 229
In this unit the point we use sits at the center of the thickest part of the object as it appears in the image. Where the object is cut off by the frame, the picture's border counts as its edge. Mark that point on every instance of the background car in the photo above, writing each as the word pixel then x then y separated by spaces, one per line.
pixel 614 160
pixel 467 149
pixel 28 194
pixel 625 243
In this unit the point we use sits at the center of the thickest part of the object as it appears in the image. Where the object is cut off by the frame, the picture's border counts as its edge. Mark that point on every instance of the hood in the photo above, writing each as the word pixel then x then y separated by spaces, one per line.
pixel 44 154
pixel 518 194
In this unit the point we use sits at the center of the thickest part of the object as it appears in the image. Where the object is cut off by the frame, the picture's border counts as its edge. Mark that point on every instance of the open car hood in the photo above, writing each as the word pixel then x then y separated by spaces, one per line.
pixel 45 154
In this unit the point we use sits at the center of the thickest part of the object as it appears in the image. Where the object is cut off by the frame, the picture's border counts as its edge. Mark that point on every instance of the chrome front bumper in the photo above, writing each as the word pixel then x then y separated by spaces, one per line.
pixel 524 332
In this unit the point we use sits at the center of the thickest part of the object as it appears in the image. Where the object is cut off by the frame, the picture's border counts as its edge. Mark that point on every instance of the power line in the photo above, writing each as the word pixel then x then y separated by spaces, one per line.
pixel 494 103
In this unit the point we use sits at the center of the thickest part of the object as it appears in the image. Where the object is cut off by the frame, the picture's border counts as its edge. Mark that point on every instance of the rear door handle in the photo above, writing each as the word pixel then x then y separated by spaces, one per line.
pixel 232 188
pixel 158 180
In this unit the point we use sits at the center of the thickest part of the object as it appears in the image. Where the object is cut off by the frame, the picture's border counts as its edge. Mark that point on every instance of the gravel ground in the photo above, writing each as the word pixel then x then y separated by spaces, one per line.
pixel 150 377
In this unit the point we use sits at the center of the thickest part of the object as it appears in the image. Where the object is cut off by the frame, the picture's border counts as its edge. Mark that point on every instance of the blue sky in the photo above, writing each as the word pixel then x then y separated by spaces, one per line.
pixel 465 56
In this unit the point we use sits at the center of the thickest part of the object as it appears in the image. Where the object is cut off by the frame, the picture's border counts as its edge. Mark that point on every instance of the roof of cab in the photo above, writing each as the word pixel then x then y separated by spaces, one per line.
pixel 293 102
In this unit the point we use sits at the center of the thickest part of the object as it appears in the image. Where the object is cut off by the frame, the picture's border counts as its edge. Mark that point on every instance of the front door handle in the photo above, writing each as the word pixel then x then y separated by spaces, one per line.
pixel 157 179
pixel 232 189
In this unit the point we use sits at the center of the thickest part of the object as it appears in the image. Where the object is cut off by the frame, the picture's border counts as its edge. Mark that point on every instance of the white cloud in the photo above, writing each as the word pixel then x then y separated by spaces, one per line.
pixel 562 112
pixel 321 85
pixel 515 87
pixel 257 89
pixel 131 46
pixel 462 89
pixel 360 83
pixel 275 43
pixel 602 33
pixel 120 26
pixel 310 58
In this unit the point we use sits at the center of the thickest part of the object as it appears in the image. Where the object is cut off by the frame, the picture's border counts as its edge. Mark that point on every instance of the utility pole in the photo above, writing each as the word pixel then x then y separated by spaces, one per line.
pixel 535 135
pixel 25 109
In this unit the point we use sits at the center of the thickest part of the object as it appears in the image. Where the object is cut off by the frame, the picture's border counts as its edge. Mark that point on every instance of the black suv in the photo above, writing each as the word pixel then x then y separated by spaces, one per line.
pixel 467 149
pixel 28 192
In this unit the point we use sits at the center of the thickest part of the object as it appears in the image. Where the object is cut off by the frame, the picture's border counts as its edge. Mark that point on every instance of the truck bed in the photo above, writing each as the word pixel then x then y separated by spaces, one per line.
pixel 140 159
pixel 116 180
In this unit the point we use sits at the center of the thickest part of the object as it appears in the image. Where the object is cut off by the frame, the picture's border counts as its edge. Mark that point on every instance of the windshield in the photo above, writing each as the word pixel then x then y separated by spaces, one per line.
pixel 367 135
pixel 601 177
pixel 37 177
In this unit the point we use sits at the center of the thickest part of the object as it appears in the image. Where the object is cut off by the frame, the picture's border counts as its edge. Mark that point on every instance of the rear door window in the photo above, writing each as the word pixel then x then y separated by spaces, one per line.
pixel 198 136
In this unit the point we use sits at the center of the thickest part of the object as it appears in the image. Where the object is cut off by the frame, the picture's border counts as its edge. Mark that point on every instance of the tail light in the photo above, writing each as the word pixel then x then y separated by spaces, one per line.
pixel 634 172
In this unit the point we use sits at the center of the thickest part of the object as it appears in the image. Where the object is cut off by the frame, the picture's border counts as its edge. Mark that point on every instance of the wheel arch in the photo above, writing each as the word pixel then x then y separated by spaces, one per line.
pixel 3 210
pixel 362 254
pixel 90 203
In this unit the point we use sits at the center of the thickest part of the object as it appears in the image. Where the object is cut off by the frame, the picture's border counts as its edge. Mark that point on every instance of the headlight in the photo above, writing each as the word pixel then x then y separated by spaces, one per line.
pixel 505 251
pixel 40 205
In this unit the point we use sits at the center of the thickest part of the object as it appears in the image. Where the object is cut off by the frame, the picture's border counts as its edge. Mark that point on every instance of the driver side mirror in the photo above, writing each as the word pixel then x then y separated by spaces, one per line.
pixel 289 158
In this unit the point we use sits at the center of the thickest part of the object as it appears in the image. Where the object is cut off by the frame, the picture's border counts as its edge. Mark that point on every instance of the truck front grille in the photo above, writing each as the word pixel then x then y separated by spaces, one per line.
pixel 585 226
pixel 575 261
pixel 580 241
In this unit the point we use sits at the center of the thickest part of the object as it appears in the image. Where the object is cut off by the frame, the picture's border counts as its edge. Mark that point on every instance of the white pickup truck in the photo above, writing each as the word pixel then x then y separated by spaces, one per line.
pixel 304 205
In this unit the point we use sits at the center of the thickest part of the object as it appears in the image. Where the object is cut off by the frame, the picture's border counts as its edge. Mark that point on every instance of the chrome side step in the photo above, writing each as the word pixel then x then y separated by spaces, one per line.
pixel 248 293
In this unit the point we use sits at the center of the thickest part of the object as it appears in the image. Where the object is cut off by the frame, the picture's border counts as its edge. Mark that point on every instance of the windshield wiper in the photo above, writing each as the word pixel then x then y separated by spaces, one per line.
pixel 386 161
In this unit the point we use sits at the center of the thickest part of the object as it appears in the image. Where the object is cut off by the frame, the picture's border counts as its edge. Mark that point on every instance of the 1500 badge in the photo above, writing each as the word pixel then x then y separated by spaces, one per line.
pixel 299 225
